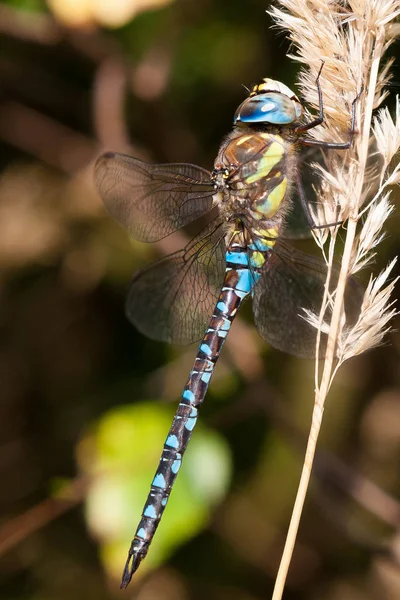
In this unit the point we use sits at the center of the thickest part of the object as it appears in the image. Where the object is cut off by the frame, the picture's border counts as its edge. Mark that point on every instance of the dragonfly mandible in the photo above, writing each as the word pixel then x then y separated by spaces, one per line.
pixel 195 293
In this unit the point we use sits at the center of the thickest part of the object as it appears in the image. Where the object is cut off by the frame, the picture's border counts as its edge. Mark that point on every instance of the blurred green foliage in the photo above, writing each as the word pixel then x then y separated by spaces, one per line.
pixel 119 458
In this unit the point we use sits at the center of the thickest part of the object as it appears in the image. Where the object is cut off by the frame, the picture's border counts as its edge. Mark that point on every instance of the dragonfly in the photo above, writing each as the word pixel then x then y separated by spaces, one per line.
pixel 195 293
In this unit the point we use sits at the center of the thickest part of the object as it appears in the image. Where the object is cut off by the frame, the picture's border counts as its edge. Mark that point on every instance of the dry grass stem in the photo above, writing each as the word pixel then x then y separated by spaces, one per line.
pixel 351 37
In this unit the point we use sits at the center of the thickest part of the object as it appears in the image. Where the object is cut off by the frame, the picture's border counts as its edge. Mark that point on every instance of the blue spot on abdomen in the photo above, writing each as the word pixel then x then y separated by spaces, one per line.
pixel 188 395
pixel 226 325
pixel 159 481
pixel 206 349
pixel 191 422
pixel 238 258
pixel 222 307
pixel 150 512
pixel 206 377
pixel 176 465
pixel 172 441
pixel 244 281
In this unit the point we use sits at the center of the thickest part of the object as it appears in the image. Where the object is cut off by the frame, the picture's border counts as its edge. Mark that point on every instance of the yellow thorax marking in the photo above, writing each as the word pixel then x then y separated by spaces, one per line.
pixel 274 198
pixel 273 137
pixel 268 206
pixel 243 139
pixel 269 160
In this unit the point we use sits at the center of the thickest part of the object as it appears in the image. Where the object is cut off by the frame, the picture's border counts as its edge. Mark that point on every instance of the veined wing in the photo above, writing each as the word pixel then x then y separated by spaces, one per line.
pixel 297 225
pixel 173 299
pixel 152 201
pixel 290 282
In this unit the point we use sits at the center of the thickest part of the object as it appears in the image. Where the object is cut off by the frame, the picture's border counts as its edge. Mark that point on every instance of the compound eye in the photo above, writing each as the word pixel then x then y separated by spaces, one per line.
pixel 236 116
pixel 271 107
pixel 298 108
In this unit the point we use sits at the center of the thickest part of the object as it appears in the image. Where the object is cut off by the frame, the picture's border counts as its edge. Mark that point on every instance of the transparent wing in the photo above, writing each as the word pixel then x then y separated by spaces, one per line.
pixel 173 299
pixel 291 281
pixel 152 201
pixel 296 225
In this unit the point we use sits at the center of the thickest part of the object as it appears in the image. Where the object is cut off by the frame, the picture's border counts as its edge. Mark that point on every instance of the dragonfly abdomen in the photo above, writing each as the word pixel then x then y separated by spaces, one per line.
pixel 236 286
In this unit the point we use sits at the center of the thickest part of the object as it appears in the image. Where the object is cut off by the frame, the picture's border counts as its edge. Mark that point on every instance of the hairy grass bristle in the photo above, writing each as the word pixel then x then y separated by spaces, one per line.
pixel 351 37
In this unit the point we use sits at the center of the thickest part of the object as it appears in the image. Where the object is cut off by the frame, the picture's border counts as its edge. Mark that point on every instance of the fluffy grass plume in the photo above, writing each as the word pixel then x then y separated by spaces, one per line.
pixel 351 37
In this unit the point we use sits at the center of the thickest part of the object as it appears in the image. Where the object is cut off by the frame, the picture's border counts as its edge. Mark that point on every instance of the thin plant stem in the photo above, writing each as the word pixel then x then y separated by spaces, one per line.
pixel 335 325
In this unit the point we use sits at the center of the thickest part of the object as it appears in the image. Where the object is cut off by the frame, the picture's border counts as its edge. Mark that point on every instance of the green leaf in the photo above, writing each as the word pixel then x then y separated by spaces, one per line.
pixel 120 456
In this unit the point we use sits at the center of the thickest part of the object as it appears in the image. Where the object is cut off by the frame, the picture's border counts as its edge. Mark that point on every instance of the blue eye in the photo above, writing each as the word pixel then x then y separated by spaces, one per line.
pixel 272 107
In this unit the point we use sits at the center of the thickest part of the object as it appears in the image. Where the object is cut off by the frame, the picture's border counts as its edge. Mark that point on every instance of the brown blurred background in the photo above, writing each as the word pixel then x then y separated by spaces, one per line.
pixel 160 80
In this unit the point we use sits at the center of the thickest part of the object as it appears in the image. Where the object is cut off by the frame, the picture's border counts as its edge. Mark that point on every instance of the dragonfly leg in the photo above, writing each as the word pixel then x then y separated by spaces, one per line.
pixel 339 145
pixel 320 119
pixel 303 200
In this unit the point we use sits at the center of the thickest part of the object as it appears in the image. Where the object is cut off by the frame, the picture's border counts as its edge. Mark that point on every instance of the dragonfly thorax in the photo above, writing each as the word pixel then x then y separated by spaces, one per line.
pixel 252 175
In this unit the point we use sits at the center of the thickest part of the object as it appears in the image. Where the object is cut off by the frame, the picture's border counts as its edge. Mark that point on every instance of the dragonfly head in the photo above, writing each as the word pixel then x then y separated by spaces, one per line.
pixel 269 102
